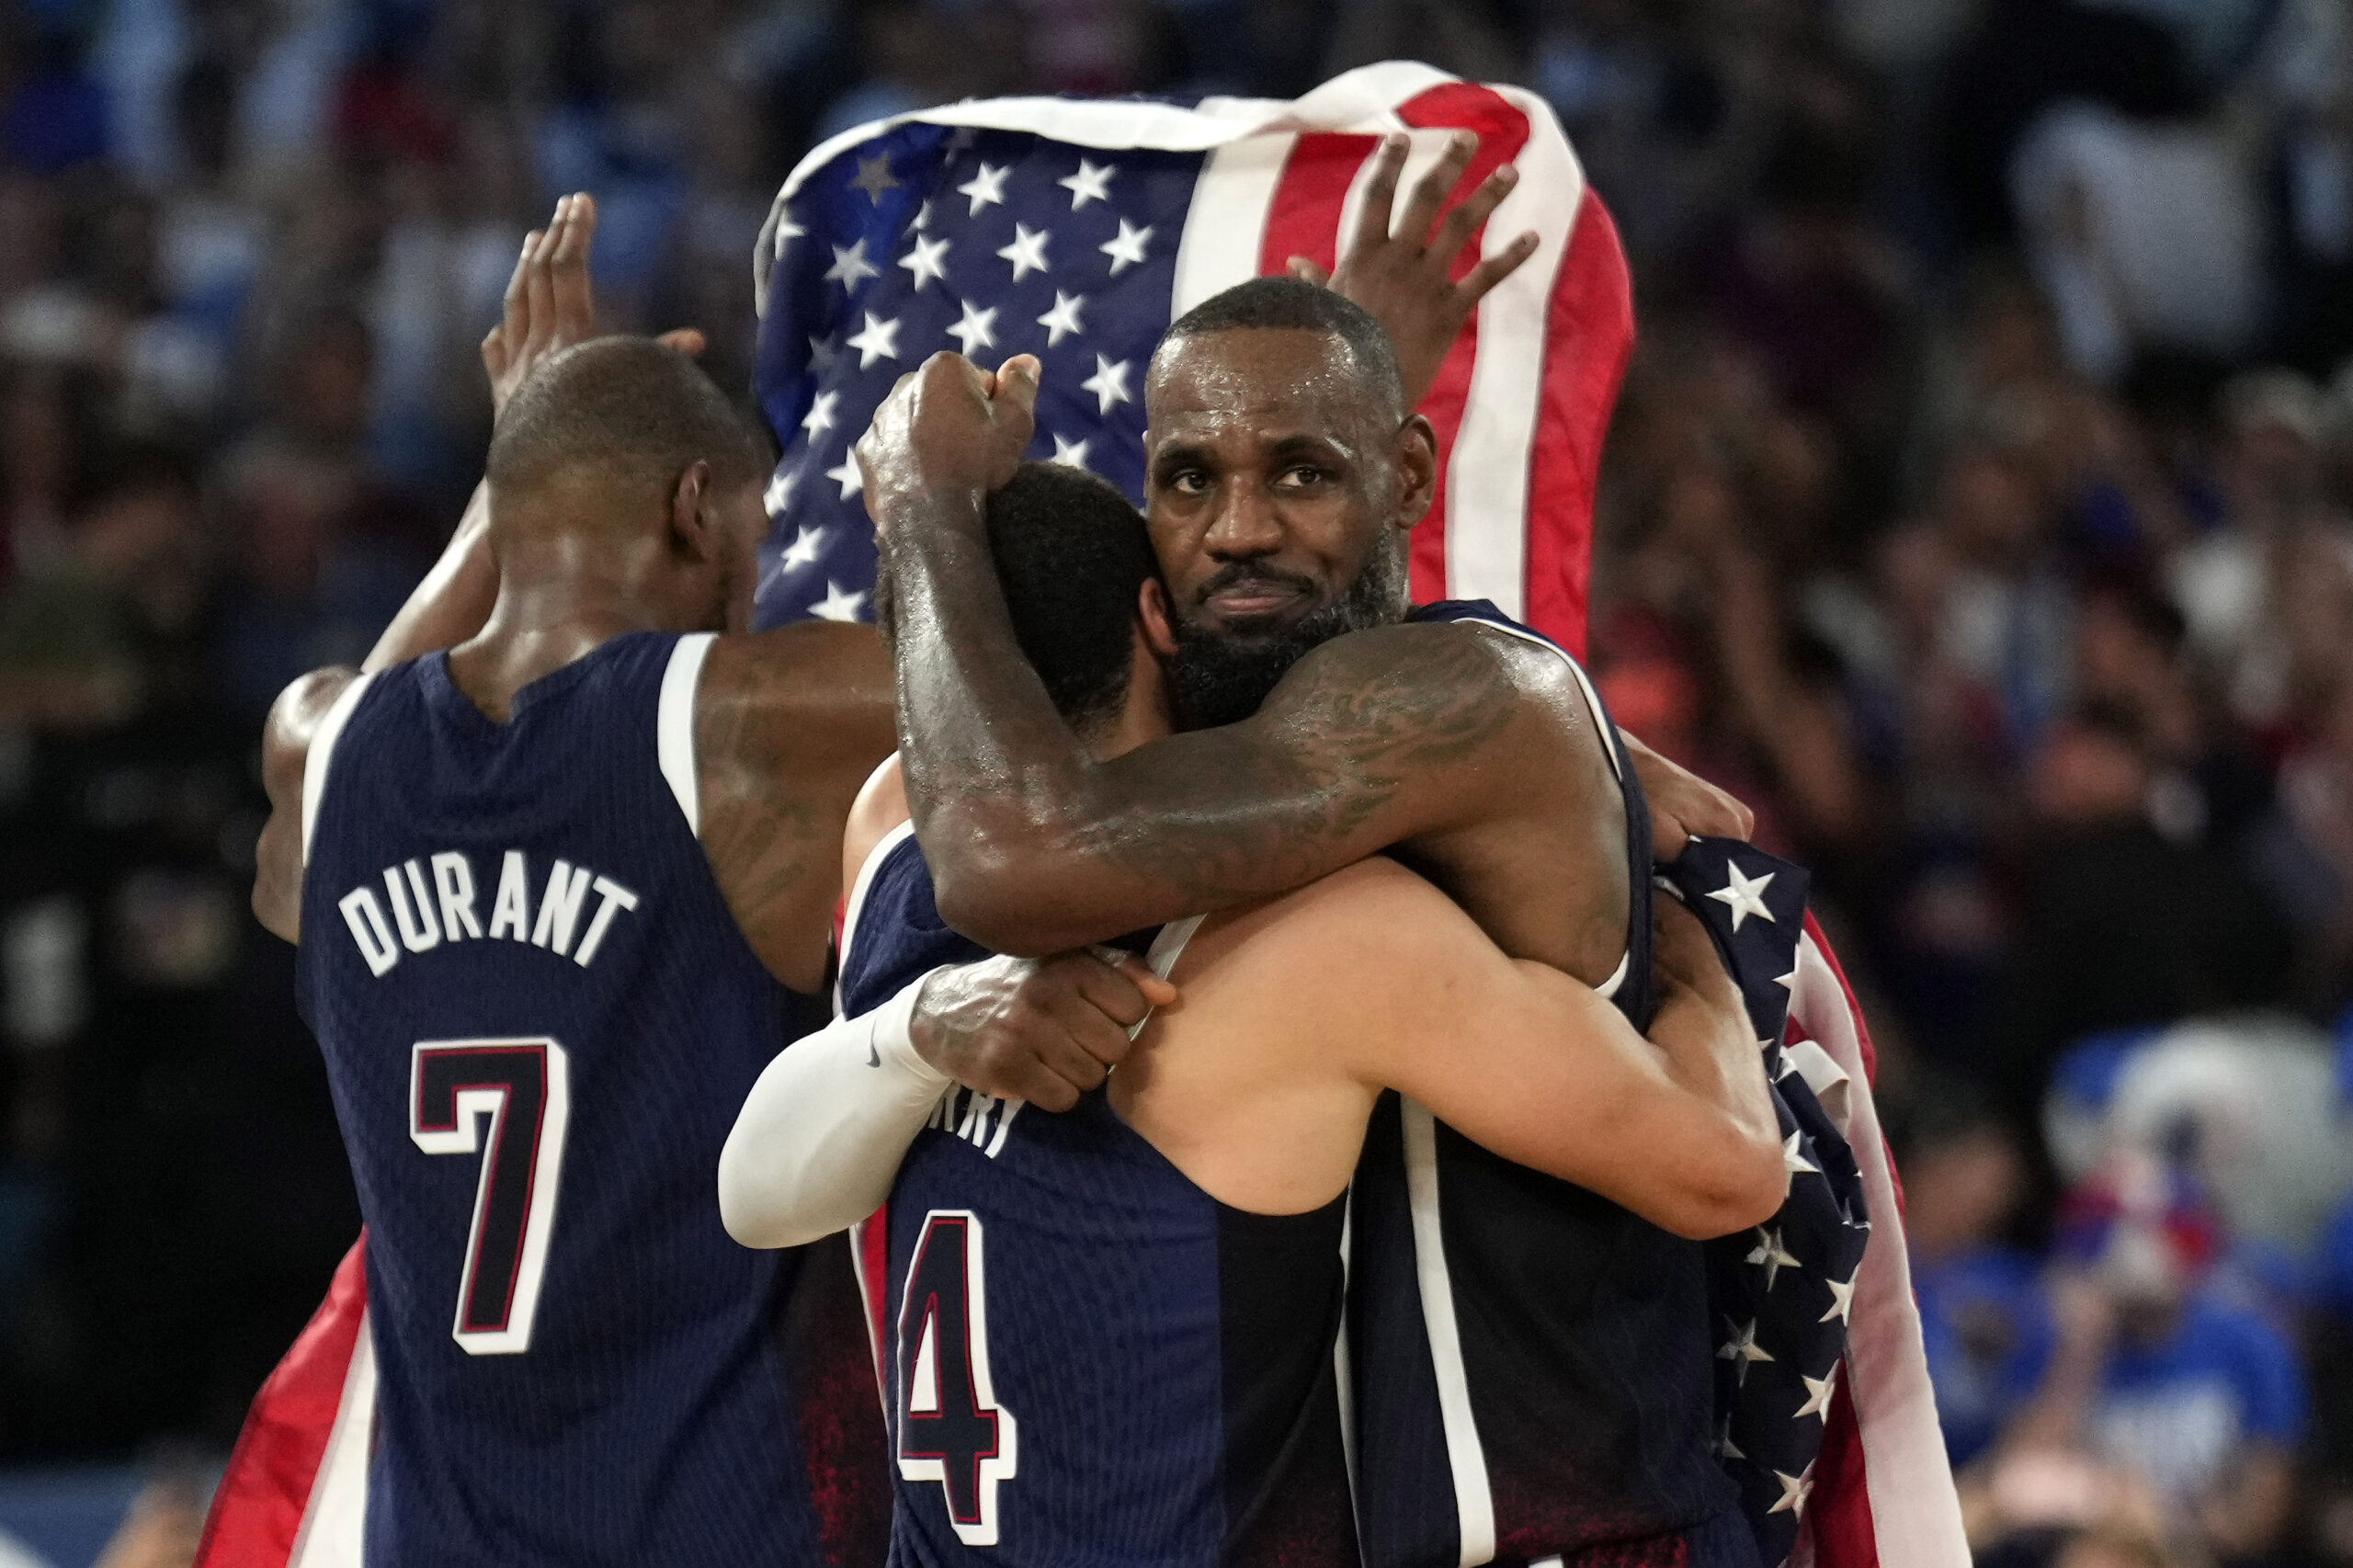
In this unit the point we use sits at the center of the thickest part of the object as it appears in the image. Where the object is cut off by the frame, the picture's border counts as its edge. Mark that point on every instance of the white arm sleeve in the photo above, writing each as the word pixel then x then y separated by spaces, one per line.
pixel 817 1144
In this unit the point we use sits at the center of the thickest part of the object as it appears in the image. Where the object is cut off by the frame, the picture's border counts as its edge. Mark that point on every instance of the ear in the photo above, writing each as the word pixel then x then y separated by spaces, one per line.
pixel 1155 621
pixel 693 534
pixel 1417 470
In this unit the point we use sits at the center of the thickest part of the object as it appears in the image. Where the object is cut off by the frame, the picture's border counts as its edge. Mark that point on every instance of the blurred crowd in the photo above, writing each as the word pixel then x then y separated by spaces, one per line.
pixel 1979 507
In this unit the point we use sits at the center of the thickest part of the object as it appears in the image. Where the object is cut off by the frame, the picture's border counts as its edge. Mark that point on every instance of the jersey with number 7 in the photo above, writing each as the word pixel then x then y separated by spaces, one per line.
pixel 540 1017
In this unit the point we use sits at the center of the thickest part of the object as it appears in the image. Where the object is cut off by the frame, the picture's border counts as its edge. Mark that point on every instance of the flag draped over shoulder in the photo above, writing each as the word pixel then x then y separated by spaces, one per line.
pixel 1077 231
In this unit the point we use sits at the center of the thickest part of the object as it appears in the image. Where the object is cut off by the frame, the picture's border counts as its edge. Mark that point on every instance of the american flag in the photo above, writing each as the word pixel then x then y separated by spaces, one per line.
pixel 1781 1295
pixel 1077 231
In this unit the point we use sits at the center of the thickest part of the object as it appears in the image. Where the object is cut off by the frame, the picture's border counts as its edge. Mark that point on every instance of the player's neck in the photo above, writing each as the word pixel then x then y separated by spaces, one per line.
pixel 537 627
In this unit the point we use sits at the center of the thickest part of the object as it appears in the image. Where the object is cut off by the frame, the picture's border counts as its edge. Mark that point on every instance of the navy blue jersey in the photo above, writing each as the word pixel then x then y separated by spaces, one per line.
pixel 1089 1360
pixel 1531 1362
pixel 539 1020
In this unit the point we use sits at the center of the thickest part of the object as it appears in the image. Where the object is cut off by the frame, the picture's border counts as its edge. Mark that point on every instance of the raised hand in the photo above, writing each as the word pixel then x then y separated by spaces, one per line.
pixel 948 429
pixel 1044 1030
pixel 1407 278
pixel 550 303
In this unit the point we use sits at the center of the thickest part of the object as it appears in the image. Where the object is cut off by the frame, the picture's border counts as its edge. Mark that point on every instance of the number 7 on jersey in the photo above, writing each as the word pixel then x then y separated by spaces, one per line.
pixel 522 1089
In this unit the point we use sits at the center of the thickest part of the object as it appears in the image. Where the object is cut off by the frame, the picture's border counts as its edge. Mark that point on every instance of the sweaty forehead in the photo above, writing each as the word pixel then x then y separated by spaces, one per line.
pixel 1273 381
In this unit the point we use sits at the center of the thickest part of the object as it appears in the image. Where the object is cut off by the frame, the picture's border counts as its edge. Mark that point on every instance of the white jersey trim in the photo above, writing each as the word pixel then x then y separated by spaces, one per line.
pixel 333 1526
pixel 1466 1457
pixel 856 907
pixel 673 726
pixel 322 752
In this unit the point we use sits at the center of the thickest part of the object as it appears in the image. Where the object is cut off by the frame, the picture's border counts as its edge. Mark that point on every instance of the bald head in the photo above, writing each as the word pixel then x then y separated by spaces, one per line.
pixel 627 412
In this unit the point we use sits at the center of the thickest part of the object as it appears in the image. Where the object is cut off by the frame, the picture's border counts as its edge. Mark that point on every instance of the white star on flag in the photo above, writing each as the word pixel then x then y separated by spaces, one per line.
pixel 1028 251
pixel 925 263
pixel 1126 248
pixel 1741 1350
pixel 1063 320
pixel 923 217
pixel 978 329
pixel 801 551
pixel 850 267
pixel 778 496
pixel 1739 895
pixel 848 476
pixel 986 189
pixel 1795 1490
pixel 837 605
pixel 1788 983
pixel 822 352
pixel 1089 184
pixel 1771 1255
pixel 874 178
pixel 1793 1161
pixel 1817 1395
pixel 819 417
pixel 879 341
pixel 1071 453
pixel 1842 1300
pixel 1108 383
pixel 1725 1448
pixel 786 231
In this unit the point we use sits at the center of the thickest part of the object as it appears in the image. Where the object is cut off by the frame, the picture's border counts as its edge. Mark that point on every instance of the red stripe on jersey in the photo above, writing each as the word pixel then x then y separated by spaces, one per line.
pixel 257 1512
pixel 873 1252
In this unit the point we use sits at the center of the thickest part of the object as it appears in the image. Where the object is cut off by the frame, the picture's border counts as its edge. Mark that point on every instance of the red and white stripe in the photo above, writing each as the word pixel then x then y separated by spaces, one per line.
pixel 1523 401
pixel 1883 1492
pixel 295 1492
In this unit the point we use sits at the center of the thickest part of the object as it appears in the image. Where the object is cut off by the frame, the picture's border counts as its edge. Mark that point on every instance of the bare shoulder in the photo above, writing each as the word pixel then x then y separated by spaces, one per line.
pixel 880 807
pixel 811 695
pixel 1431 689
pixel 293 723
pixel 1369 925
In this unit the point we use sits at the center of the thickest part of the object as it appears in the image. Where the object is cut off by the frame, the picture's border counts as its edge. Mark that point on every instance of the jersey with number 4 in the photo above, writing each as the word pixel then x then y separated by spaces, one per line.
pixel 1088 1360
pixel 539 1020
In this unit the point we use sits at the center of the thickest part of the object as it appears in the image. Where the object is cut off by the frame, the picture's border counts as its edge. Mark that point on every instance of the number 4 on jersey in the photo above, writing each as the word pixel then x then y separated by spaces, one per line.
pixel 522 1088
pixel 951 1429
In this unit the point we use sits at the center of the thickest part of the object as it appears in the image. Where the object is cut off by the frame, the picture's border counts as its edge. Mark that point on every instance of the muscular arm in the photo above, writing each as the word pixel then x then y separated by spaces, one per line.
pixel 1679 1128
pixel 788 725
pixel 1373 739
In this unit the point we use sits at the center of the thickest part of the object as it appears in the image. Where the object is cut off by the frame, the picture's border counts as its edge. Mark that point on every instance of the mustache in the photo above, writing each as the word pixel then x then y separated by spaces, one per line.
pixel 1234 573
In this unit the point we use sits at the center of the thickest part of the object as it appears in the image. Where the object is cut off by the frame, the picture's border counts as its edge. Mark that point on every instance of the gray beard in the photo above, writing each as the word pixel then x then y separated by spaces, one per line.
pixel 1222 675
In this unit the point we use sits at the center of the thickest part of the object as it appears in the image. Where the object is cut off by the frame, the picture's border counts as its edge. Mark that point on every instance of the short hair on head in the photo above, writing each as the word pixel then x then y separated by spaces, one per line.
pixel 1072 555
pixel 635 410
pixel 1288 304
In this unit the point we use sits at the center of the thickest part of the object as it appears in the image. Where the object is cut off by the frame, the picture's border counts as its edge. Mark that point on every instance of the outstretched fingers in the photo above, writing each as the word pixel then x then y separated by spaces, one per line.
pixel 1432 190
pixel 573 306
pixel 1380 195
pixel 1493 269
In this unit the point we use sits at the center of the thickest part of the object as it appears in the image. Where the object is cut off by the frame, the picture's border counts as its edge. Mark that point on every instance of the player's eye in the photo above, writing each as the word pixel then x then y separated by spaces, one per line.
pixel 1190 482
pixel 1299 476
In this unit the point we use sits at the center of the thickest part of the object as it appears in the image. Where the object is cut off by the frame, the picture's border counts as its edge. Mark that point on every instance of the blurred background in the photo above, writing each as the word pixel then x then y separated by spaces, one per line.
pixel 1979 507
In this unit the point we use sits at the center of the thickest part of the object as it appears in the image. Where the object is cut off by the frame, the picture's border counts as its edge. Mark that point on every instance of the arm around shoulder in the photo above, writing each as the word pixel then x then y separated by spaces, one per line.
pixel 1372 739
pixel 1546 1072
